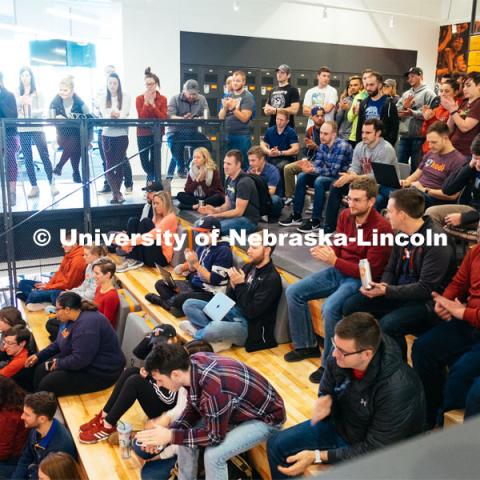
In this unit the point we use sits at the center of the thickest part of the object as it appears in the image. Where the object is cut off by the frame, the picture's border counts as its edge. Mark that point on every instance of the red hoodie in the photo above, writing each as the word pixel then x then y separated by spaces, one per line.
pixel 466 286
pixel 349 255
pixel 71 272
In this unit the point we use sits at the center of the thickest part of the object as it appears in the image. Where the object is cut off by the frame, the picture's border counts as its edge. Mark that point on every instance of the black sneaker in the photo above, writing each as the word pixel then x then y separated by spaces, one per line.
pixel 316 376
pixel 309 226
pixel 105 189
pixel 157 300
pixel 21 296
pixel 301 354
pixel 76 177
pixel 293 219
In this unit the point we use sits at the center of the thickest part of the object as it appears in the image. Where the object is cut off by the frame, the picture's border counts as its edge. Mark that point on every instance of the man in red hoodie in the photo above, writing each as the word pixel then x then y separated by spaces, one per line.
pixel 455 343
pixel 69 275
pixel 340 276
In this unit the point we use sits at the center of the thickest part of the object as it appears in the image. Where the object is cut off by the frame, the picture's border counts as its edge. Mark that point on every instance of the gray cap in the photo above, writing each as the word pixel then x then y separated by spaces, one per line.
pixel 283 68
pixel 191 86
pixel 390 82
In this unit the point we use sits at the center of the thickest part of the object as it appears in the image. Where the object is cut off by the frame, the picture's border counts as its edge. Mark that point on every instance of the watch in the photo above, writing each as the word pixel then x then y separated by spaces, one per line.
pixel 318 458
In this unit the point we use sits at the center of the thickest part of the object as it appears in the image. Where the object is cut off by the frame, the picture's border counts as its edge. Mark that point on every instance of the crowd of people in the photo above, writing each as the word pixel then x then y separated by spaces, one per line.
pixel 368 395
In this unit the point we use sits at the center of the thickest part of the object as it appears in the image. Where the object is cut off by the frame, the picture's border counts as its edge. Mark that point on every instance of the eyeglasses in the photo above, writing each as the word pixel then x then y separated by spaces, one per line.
pixel 345 354
pixel 57 309
pixel 356 200
pixel 10 344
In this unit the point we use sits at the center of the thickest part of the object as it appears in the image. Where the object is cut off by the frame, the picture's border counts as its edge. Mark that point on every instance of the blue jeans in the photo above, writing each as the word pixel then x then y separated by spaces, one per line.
pixel 177 142
pixel 333 206
pixel 156 469
pixel 232 328
pixel 472 404
pixel 382 197
pixel 238 440
pixel 410 147
pixel 242 143
pixel 27 287
pixel 238 224
pixel 330 284
pixel 320 184
pixel 277 207
pixel 304 436
pixel 433 352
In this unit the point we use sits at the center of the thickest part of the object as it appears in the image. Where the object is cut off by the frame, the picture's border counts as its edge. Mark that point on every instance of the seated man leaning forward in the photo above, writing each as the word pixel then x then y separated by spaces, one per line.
pixel 368 399
pixel 339 278
pixel 241 210
pixel 226 421
pixel 256 289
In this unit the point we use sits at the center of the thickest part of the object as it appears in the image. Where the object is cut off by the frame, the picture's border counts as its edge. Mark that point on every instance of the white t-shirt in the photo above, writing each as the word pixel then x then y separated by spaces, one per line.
pixel 317 96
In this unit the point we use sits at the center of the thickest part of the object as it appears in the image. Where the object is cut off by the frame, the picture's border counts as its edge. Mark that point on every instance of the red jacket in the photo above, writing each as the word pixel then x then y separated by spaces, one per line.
pixel 71 272
pixel 159 110
pixel 349 255
pixel 466 286
pixel 216 186
pixel 13 434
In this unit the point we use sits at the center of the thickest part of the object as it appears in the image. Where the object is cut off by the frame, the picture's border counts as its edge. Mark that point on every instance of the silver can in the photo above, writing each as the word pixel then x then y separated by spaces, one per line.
pixel 365 273
pixel 201 203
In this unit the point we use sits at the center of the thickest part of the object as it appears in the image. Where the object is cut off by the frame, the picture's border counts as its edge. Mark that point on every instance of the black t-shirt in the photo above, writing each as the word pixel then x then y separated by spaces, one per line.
pixel 283 97
pixel 244 187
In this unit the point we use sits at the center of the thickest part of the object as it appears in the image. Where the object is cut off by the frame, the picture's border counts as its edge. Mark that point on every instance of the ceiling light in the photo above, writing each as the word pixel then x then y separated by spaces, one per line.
pixel 391 22
pixel 236 6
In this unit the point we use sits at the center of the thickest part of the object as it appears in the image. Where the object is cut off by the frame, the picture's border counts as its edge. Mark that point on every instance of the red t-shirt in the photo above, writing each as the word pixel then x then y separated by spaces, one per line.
pixel 358 374
pixel 107 304
pixel 462 141
pixel 436 168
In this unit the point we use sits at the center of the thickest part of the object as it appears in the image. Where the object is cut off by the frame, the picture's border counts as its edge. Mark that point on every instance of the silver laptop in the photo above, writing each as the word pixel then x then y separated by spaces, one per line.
pixel 218 306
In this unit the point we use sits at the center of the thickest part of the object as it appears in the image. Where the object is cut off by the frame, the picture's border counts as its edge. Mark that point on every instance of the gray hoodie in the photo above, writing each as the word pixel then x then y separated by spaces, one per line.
pixel 411 126
pixel 363 156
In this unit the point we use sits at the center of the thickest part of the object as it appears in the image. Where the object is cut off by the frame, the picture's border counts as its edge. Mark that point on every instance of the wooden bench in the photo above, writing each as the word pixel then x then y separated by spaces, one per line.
pixel 453 417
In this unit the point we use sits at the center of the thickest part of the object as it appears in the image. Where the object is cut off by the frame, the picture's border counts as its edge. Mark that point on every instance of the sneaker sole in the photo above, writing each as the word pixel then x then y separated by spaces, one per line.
pixel 134 267
pixel 304 230
pixel 97 440
pixel 291 224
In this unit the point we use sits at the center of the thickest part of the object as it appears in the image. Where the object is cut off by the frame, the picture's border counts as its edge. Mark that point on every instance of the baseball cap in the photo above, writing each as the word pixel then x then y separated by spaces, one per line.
pixel 153 187
pixel 191 86
pixel 315 110
pixel 283 68
pixel 207 224
pixel 390 82
pixel 163 332
pixel 414 70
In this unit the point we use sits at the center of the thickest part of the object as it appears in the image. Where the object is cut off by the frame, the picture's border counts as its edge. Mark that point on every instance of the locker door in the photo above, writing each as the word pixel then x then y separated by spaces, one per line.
pixel 189 72
pixel 267 81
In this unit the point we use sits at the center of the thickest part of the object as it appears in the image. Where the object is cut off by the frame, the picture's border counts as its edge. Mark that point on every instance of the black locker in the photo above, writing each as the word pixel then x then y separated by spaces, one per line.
pixel 268 80
pixel 337 82
pixel 190 72
pixel 211 87
pixel 303 81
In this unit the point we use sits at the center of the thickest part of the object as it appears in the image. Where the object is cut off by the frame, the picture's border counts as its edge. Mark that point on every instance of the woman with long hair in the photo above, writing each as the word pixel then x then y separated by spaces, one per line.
pixel 162 226
pixel 67 104
pixel 86 356
pixel 30 105
pixel 116 104
pixel 59 466
pixel 150 104
pixel 13 432
pixel 203 182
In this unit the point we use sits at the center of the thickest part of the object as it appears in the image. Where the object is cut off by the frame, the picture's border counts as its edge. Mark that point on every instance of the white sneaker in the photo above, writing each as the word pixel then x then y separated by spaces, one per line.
pixel 129 264
pixel 220 346
pixel 54 190
pixel 34 192
pixel 128 190
pixel 187 327
pixel 37 307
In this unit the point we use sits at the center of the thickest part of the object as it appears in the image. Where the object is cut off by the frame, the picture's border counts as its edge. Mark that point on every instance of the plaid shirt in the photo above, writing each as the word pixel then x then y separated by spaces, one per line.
pixel 330 162
pixel 224 393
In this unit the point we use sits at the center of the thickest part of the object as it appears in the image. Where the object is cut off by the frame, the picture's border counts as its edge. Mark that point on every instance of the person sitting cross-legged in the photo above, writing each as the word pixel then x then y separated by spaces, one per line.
pixel 334 156
pixel 205 268
pixel 402 301
pixel 256 288
pixel 339 278
pixel 368 399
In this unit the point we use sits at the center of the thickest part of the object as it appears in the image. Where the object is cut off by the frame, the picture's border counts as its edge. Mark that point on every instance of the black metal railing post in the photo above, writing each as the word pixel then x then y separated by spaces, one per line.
pixel 84 143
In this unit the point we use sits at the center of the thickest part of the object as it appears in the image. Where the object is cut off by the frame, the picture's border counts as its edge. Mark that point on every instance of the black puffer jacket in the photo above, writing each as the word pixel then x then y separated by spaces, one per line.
pixel 432 268
pixel 386 406
pixel 258 301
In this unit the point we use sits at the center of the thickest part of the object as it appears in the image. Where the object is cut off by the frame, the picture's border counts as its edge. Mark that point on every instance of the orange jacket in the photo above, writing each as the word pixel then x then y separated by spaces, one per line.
pixel 71 271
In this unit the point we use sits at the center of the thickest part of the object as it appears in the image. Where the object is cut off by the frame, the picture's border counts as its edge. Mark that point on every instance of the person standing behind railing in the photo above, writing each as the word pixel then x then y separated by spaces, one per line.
pixel 150 104
pixel 68 104
pixel 30 105
pixel 115 104
pixel 8 109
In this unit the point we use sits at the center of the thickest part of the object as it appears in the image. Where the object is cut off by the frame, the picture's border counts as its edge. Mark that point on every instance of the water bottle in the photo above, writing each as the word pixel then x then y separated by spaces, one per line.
pixel 124 430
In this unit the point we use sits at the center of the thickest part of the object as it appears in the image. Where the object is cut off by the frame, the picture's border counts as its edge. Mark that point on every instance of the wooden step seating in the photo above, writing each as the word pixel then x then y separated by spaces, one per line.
pixel 453 417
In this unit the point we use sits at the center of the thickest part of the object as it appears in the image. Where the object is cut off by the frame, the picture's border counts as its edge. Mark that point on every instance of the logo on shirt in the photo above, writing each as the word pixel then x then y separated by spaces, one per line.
pixel 431 163
pixel 363 402
pixel 277 100
pixel 372 112
pixel 366 165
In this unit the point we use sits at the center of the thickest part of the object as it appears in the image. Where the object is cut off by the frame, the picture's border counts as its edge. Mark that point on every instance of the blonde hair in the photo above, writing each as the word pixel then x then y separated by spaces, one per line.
pixel 166 200
pixel 67 82
pixel 209 163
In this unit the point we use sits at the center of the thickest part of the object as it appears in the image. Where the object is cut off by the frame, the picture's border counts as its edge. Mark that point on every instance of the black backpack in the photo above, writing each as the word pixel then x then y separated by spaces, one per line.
pixel 264 196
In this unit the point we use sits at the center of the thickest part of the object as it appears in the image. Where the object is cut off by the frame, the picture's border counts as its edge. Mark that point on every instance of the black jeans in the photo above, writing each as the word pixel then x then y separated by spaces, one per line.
pixel 186 291
pixel 187 200
pixel 38 139
pixel 70 382
pixel 334 203
pixel 148 255
pixel 146 156
pixel 397 318
pixel 131 386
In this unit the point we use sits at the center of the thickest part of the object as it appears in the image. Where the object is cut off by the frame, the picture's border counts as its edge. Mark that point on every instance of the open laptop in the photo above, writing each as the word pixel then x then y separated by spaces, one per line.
pixel 386 174
pixel 218 306
pixel 166 277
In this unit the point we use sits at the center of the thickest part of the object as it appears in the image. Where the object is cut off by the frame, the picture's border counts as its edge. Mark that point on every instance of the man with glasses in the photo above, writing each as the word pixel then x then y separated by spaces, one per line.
pixel 368 399
pixel 15 345
pixel 339 278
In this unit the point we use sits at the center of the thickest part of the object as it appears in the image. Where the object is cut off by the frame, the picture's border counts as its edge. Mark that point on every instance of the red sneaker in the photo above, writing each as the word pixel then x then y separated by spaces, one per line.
pixel 97 433
pixel 87 426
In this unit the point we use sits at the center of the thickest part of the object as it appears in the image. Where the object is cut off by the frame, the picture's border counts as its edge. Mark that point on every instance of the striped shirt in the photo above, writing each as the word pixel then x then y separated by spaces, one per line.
pixel 224 393
pixel 329 162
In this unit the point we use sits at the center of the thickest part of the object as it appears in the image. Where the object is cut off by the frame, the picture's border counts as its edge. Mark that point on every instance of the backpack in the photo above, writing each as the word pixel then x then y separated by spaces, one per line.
pixel 264 196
